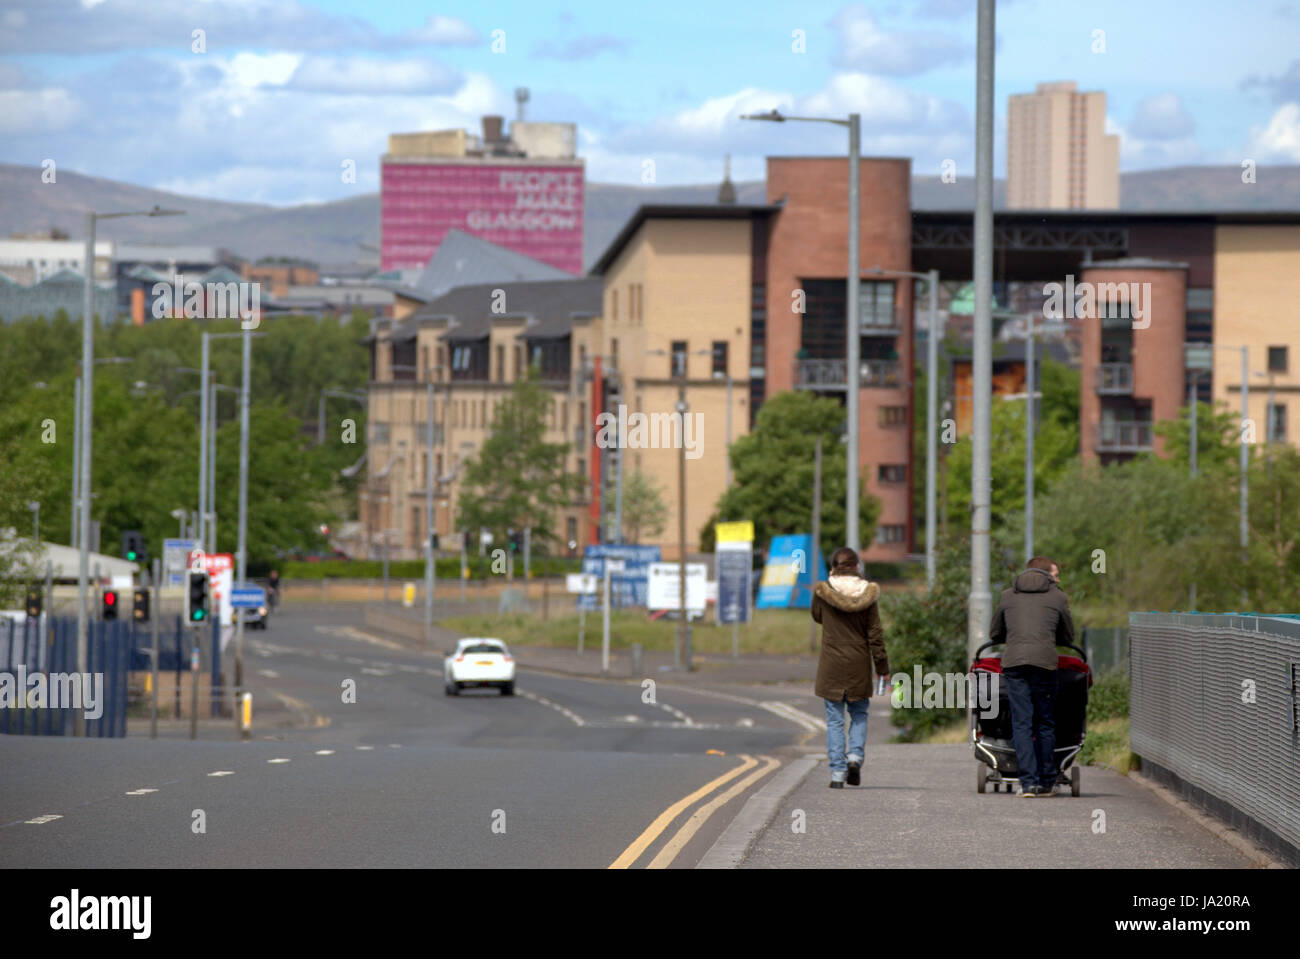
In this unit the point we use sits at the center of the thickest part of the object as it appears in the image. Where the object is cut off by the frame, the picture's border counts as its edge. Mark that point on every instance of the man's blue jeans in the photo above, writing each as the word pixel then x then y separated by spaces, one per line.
pixel 857 739
pixel 1031 691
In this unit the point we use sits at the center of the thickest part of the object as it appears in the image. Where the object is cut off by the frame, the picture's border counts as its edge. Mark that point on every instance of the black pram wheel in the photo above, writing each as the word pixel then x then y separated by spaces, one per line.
pixel 1075 776
pixel 982 779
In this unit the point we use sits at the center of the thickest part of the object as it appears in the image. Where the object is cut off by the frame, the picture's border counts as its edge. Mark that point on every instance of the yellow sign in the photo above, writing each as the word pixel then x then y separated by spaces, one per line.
pixel 738 532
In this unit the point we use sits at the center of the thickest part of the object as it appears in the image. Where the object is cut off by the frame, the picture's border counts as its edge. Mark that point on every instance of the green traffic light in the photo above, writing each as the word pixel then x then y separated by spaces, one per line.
pixel 131 555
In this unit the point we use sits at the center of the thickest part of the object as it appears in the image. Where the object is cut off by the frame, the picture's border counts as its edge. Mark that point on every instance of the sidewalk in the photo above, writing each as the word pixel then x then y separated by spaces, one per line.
pixel 917 806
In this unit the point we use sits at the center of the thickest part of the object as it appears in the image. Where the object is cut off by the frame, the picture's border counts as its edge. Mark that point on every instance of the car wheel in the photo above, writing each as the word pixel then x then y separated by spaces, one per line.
pixel 507 689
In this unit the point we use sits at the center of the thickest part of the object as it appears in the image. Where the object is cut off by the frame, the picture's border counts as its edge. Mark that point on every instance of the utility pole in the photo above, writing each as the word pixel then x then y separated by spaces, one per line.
pixel 931 427
pixel 854 332
pixel 155 615
pixel 204 424
pixel 683 658
pixel 816 532
pixel 430 573
pixel 981 598
pixel 247 342
pixel 1029 438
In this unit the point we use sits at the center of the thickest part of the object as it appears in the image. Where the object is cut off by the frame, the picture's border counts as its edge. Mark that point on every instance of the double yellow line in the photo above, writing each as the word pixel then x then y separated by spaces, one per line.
pixel 675 845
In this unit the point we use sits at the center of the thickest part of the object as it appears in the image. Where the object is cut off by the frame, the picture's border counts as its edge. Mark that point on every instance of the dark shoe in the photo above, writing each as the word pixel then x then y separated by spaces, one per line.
pixel 1027 793
pixel 855 774
pixel 1045 792
pixel 836 784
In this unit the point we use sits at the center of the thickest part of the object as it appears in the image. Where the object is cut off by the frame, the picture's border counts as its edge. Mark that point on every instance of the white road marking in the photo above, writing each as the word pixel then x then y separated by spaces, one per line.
pixel 365 747
pixel 268 673
pixel 376 672
pixel 324 752
pixel 280 760
pixel 353 660
pixel 42 820
pixel 409 669
pixel 394 745
pixel 562 710
pixel 140 792
pixel 629 718
pixel 745 721
pixel 223 772
pixel 786 711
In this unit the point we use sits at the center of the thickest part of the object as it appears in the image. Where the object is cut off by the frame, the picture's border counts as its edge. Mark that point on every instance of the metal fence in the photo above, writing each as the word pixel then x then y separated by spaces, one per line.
pixel 37 658
pixel 1107 647
pixel 1215 714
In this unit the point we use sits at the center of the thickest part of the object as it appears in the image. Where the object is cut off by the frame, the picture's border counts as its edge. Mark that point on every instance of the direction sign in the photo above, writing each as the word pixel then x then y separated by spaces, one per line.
pixel 247 597
pixel 663 591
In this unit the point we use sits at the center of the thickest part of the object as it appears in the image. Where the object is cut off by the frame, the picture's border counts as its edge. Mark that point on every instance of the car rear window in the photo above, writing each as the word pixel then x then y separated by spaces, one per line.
pixel 483 648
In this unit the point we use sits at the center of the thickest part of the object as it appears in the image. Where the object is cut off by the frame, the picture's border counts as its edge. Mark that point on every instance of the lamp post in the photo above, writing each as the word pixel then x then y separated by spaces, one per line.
pixel 430 573
pixel 35 507
pixel 852 366
pixel 931 279
pixel 980 601
pixel 87 427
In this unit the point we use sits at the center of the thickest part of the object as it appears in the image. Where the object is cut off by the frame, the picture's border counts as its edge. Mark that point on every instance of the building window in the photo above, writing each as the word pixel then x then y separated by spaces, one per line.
pixel 519 360
pixel 720 358
pixel 501 363
pixel 892 473
pixel 613 353
pixel 1277 359
pixel 890 534
pixel 893 416
pixel 571 531
pixel 1277 422
pixel 876 304
pixel 613 305
pixel 677 361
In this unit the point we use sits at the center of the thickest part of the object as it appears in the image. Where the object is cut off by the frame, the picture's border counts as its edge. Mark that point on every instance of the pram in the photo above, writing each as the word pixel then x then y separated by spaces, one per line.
pixel 991 736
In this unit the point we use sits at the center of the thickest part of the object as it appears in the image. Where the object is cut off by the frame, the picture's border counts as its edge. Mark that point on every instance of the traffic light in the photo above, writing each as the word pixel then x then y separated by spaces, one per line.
pixel 516 540
pixel 196 598
pixel 108 604
pixel 35 602
pixel 140 611
pixel 133 549
pixel 433 540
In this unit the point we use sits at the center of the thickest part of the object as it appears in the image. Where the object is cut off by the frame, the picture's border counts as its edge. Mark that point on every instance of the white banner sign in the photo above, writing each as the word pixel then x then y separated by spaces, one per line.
pixel 663 591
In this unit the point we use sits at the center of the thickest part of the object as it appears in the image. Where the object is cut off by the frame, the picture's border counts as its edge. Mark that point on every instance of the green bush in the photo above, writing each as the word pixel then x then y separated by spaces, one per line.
pixel 1108 698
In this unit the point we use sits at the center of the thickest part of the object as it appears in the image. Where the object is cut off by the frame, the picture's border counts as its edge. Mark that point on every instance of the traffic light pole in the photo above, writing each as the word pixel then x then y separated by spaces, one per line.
pixel 156 582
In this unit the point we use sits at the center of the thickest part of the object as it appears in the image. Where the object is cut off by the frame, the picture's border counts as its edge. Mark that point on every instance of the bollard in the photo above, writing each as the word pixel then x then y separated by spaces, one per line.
pixel 246 716
pixel 637 650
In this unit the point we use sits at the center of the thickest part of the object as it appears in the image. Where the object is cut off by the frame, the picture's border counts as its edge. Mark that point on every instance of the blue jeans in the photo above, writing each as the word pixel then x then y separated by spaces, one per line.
pixel 857 745
pixel 1031 692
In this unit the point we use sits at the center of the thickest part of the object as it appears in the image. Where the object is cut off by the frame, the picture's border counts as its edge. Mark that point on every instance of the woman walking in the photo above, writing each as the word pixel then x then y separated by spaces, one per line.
pixel 852 642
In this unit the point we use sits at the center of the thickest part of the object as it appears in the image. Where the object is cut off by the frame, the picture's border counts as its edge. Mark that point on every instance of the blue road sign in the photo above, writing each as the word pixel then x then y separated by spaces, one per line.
pixel 627 587
pixel 247 597
pixel 734 567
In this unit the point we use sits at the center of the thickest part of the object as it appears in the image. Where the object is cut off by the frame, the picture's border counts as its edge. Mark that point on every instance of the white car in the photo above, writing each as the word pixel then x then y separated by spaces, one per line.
pixel 479 661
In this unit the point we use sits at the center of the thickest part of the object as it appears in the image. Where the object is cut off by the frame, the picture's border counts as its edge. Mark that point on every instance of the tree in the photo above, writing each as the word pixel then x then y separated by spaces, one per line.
pixel 1055 447
pixel 644 511
pixel 517 479
pixel 772 470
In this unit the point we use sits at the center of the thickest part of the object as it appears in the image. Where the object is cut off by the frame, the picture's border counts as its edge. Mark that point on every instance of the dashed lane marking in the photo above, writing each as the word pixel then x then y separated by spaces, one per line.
pixel 562 710
pixel 223 772
pixel 278 760
pixel 42 820
pixel 140 792
pixel 324 752
pixel 365 747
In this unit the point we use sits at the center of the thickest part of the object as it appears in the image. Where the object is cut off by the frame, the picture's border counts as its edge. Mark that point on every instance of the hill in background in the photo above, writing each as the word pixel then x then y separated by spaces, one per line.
pixel 347 231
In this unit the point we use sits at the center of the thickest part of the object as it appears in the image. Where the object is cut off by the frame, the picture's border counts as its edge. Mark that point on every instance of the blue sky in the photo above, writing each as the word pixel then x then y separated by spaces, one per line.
pixel 285 92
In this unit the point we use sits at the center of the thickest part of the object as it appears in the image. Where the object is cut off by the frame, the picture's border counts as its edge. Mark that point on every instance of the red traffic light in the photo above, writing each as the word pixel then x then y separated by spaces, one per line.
pixel 110 599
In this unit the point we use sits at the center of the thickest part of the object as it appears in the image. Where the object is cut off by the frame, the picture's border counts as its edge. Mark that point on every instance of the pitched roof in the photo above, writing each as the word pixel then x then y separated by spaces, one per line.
pixel 548 308
pixel 464 259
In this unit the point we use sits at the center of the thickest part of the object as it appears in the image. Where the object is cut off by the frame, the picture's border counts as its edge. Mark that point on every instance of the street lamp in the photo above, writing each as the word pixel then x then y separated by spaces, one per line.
pixel 430 571
pixel 854 373
pixel 931 279
pixel 73 533
pixel 35 507
pixel 87 425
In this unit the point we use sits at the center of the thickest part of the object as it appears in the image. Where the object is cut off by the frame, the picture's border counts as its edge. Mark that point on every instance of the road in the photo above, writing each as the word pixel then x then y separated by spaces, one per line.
pixel 568 772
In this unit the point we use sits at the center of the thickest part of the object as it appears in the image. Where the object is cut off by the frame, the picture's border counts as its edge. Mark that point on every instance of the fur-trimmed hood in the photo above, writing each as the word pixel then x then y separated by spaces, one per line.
pixel 849 601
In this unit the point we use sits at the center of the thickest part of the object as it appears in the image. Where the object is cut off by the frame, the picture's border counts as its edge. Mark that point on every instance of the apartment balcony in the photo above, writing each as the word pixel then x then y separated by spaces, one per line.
pixel 1123 437
pixel 833 374
pixel 1114 379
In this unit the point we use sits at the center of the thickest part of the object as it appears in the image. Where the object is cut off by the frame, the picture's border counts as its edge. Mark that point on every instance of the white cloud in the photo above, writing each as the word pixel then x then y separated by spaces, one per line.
pixel 445 31
pixel 1162 117
pixel 361 76
pixel 865 47
pixel 52 110
pixel 1280 140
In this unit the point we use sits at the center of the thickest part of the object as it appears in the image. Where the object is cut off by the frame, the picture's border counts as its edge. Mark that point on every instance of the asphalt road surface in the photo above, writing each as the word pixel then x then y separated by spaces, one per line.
pixel 568 772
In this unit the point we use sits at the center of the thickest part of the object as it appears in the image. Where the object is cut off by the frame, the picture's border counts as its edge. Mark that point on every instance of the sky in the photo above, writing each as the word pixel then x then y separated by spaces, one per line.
pixel 270 101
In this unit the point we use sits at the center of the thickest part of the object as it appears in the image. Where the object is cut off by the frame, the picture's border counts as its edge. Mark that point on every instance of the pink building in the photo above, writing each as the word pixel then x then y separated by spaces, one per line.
pixel 523 192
